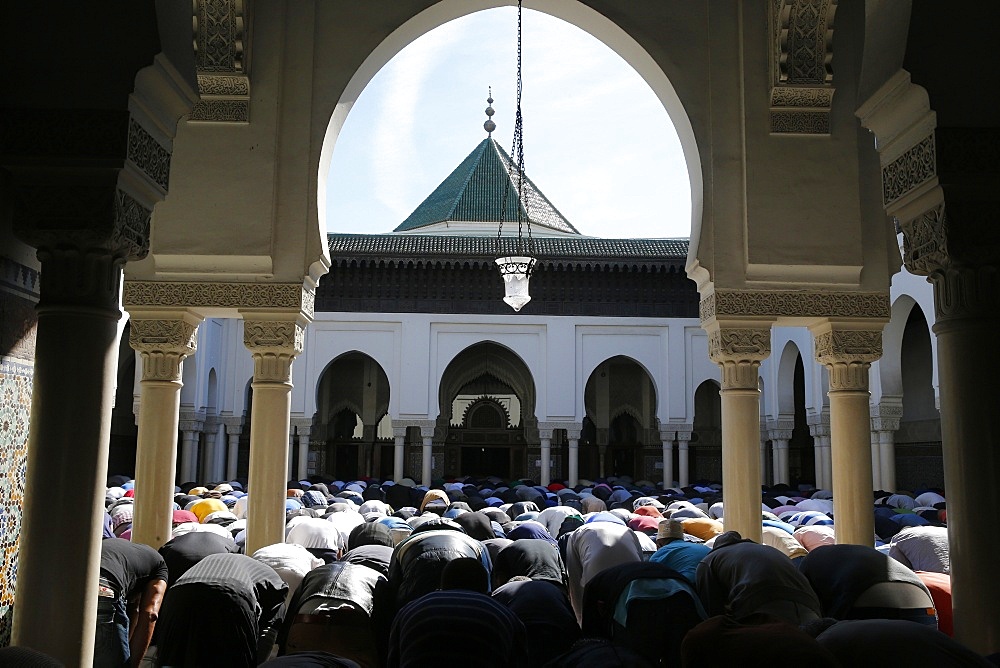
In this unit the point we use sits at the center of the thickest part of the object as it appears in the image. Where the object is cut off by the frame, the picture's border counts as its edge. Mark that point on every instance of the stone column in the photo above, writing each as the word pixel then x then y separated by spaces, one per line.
pixel 209 453
pixel 739 352
pixel 190 428
pixel 819 429
pixel 398 452
pixel 667 442
pixel 545 457
pixel 683 468
pixel 274 345
pixel 847 355
pixel 76 354
pixel 219 457
pixel 957 249
pixel 780 433
pixel 765 479
pixel 885 421
pixel 234 429
pixel 573 444
pixel 303 463
pixel 427 434
pixel 162 345
pixel 876 462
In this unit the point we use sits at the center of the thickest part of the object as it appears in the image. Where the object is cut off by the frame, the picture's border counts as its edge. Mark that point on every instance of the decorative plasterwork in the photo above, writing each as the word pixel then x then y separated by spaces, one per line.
pixel 220 295
pixel 925 241
pixel 794 303
pixel 147 155
pixel 739 352
pixel 221 55
pixel 163 345
pixel 910 170
pixel 130 234
pixel 802 72
pixel 847 355
pixel 274 345
pixel 886 417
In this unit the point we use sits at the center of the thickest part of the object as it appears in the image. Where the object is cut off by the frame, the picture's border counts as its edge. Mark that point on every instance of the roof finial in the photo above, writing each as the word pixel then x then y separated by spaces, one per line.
pixel 489 125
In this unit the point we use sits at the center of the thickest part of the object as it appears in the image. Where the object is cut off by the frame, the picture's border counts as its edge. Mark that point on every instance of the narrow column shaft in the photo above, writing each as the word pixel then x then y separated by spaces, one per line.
pixel 668 463
pixel 682 464
pixel 545 473
pixel 269 423
pixel 850 436
pixel 274 345
pixel 162 344
pixel 887 459
pixel 398 451
pixel 970 432
pixel 290 464
pixel 189 453
pixel 779 448
pixel 827 464
pixel 848 354
pixel 207 466
pixel 740 460
pixel 218 466
pixel 818 462
pixel 574 462
pixel 155 461
pixel 55 603
pixel 426 463
pixel 303 470
pixel 876 460
pixel 738 352
pixel 763 464
pixel 233 456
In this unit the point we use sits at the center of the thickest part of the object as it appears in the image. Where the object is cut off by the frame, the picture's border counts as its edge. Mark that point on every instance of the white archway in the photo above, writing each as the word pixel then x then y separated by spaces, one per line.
pixel 571 11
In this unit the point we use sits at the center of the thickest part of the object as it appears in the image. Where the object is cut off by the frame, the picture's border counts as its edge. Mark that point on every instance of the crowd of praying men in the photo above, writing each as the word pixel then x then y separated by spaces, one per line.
pixel 510 573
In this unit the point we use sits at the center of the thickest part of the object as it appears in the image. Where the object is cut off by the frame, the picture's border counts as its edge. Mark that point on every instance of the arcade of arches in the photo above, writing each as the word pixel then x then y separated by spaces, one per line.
pixel 179 172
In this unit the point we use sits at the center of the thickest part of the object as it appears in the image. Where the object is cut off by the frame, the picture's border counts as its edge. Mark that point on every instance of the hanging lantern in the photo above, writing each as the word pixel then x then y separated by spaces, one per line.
pixel 516 270
pixel 515 267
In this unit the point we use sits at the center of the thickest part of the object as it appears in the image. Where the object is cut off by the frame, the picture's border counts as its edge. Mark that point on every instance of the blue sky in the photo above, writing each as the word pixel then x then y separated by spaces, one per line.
pixel 597 141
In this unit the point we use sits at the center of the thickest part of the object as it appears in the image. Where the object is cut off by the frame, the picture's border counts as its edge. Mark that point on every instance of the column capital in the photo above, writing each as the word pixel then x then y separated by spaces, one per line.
pixel 886 415
pixel 779 434
pixel 847 354
pixel 544 434
pixel 302 425
pixel 163 344
pixel 684 437
pixel 191 425
pixel 739 352
pixel 234 424
pixel 274 345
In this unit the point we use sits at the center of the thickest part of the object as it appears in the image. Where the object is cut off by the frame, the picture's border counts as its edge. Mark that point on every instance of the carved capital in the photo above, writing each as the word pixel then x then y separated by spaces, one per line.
pixel 163 345
pixel 847 355
pixel 739 352
pixel 886 416
pixel 191 426
pixel 274 344
pixel 925 241
pixel 964 292
pixel 79 277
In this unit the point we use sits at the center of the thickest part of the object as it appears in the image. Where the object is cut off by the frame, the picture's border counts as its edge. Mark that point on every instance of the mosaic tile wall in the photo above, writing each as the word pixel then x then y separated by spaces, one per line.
pixel 18 295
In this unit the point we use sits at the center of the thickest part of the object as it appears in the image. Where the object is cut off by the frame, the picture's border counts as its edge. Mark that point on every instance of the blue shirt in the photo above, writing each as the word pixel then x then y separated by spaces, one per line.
pixel 682 556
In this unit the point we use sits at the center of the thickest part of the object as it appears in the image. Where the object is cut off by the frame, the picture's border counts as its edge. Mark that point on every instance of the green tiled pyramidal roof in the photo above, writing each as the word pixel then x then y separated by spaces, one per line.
pixel 474 192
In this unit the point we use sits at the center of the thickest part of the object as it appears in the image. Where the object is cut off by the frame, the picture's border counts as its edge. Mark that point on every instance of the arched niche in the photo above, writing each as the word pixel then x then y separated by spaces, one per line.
pixel 352 428
pixel 492 382
pixel 620 401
